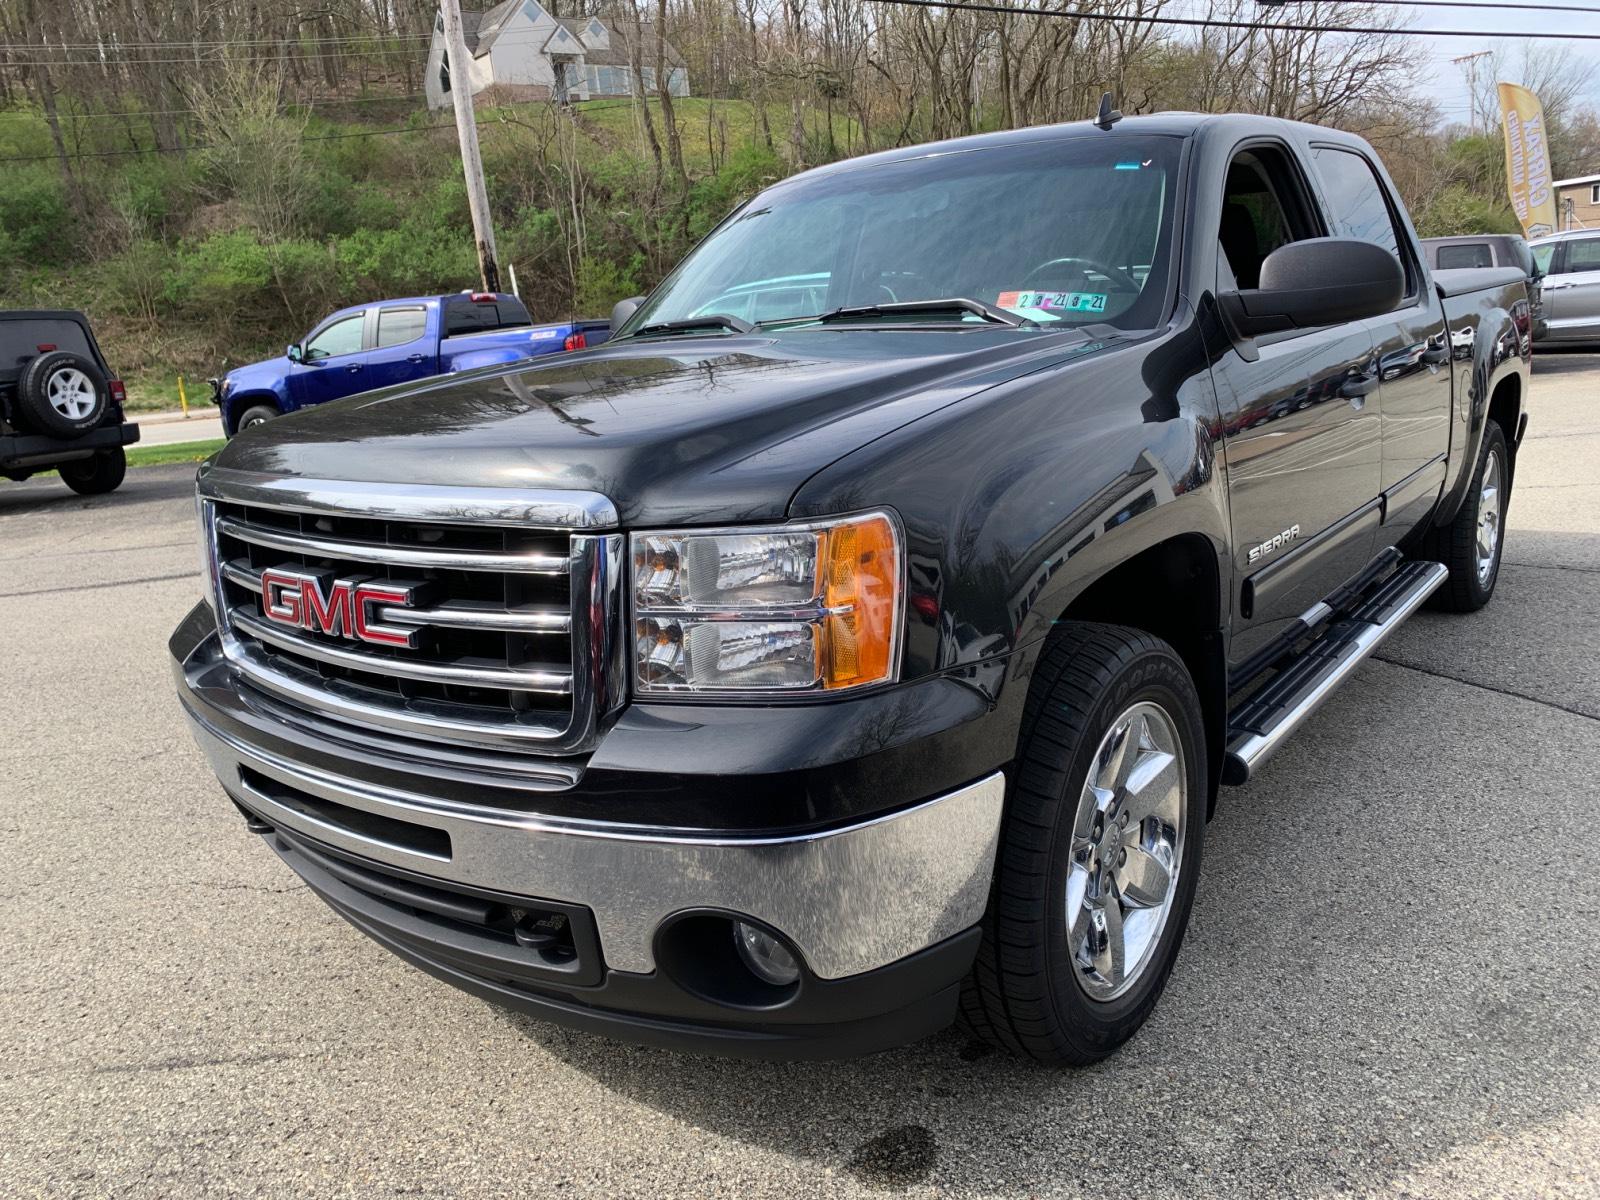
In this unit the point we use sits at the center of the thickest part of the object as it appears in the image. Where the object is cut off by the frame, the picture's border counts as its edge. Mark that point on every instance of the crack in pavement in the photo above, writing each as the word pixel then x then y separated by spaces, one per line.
pixel 1511 562
pixel 1577 712
pixel 89 587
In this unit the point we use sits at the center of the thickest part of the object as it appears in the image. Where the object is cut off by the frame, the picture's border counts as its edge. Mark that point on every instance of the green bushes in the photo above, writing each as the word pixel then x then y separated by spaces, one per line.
pixel 35 219
pixel 185 260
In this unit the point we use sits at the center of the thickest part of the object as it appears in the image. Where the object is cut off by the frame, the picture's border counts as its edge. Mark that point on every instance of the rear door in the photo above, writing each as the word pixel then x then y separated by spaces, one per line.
pixel 1572 290
pixel 1302 437
pixel 1410 343
pixel 402 348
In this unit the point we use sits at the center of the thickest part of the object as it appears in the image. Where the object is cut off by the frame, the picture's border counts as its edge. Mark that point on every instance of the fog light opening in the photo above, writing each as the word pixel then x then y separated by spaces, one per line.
pixel 768 959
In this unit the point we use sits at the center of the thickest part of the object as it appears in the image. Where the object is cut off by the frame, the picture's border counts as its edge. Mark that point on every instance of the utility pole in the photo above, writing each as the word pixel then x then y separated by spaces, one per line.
pixel 455 40
pixel 1469 62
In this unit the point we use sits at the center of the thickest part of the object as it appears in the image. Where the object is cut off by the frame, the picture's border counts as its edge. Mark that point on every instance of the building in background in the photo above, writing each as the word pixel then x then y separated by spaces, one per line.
pixel 520 52
pixel 1578 202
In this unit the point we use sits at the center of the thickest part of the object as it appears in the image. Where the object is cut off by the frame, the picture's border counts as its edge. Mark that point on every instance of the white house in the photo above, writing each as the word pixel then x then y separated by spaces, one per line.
pixel 524 53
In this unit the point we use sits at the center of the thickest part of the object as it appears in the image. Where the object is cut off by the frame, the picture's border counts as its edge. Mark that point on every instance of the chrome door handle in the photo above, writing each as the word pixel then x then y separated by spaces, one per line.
pixel 414 358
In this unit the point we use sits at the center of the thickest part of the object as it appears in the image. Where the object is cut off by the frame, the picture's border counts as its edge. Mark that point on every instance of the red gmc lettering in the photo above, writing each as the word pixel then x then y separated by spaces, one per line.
pixel 341 608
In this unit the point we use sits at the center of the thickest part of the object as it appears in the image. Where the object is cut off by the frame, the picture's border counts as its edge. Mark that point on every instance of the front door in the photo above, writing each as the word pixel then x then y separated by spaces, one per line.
pixel 1572 290
pixel 332 362
pixel 1302 426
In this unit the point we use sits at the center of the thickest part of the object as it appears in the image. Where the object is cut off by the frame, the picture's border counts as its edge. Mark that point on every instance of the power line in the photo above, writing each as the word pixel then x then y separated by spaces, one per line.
pixel 312 104
pixel 316 137
pixel 1220 23
pixel 1465 7
pixel 588 107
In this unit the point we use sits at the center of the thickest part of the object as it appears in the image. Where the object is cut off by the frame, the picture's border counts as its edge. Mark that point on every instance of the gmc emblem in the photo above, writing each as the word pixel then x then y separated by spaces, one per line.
pixel 345 608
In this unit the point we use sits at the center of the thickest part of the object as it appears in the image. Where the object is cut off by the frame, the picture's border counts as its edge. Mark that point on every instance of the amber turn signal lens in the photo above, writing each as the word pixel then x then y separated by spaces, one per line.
pixel 863 578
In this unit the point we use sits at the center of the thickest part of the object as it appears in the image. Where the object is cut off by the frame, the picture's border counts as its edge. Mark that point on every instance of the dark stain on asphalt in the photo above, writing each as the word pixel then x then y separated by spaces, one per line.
pixel 897 1157
pixel 974 1050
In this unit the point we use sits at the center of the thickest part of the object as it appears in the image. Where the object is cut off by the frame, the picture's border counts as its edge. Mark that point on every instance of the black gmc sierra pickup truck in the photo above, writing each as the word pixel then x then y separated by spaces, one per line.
pixel 863 635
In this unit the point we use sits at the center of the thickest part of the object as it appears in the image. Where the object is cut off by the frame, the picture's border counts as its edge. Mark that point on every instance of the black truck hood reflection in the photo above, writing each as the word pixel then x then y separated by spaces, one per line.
pixel 695 430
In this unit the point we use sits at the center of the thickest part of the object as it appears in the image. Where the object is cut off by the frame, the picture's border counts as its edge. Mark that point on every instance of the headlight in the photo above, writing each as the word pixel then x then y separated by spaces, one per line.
pixel 798 608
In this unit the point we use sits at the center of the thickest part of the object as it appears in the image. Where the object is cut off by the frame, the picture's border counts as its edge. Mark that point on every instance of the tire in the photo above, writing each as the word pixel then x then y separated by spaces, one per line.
pixel 1030 992
pixel 94 476
pixel 256 414
pixel 61 394
pixel 1457 545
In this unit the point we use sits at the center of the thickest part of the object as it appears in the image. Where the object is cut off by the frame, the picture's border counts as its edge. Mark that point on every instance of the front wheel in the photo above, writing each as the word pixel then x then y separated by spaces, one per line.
pixel 102 472
pixel 256 414
pixel 1100 850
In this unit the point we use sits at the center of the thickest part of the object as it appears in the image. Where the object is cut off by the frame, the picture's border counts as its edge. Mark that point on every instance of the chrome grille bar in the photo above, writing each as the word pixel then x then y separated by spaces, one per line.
pixel 546 680
pixel 317 546
pixel 464 614
pixel 456 695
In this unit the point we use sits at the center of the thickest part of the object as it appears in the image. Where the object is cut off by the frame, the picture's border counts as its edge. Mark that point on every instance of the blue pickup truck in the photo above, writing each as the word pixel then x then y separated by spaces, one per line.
pixel 390 342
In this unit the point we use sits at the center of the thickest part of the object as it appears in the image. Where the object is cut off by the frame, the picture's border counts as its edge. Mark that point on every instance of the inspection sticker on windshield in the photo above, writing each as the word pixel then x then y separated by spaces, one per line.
pixel 1045 302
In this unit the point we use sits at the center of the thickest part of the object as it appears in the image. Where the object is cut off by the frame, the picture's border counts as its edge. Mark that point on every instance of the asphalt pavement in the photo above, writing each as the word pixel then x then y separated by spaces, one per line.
pixel 1389 987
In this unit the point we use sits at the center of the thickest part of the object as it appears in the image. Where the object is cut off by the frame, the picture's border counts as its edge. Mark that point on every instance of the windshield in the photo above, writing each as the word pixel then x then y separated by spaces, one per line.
pixel 1065 231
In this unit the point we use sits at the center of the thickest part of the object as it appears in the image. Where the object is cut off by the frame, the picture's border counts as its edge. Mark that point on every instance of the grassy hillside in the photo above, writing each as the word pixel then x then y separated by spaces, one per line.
pixel 187 262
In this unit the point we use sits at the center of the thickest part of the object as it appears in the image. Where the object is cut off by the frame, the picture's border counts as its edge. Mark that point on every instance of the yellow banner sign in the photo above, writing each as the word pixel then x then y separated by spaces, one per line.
pixel 1527 160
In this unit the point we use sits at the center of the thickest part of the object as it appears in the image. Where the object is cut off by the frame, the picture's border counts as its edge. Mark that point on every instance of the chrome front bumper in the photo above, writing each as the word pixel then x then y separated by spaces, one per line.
pixel 851 899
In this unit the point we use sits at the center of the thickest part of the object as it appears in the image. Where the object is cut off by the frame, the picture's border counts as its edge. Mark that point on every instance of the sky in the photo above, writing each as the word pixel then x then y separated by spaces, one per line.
pixel 1446 83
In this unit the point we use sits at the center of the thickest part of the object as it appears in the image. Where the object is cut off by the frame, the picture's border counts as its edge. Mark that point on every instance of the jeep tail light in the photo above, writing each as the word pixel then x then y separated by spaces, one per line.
pixel 45 347
pixel 576 341
pixel 119 392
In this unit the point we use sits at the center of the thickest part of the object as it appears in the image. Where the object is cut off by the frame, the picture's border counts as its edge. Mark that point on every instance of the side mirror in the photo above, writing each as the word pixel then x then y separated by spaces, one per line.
pixel 623 309
pixel 294 353
pixel 1320 281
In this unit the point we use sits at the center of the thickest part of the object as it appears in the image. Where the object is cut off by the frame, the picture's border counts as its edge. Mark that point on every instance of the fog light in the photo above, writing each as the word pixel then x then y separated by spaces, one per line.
pixel 765 955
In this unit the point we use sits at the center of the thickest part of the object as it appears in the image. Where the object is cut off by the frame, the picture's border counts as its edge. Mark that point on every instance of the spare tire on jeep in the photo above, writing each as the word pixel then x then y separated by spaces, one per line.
pixel 61 394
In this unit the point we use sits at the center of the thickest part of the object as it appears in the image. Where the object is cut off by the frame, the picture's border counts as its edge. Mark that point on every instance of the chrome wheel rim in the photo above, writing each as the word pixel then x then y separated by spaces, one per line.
pixel 1127 849
pixel 70 393
pixel 1489 518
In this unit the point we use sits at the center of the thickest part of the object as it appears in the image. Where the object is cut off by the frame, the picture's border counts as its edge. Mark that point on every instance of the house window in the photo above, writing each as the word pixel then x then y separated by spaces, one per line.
pixel 1594 193
pixel 444 72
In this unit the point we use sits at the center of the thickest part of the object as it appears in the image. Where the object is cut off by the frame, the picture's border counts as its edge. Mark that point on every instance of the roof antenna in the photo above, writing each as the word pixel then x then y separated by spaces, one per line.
pixel 1107 116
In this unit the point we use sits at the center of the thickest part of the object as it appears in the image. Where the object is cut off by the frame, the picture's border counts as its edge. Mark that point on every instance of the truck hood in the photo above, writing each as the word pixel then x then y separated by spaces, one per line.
pixel 682 430
pixel 260 376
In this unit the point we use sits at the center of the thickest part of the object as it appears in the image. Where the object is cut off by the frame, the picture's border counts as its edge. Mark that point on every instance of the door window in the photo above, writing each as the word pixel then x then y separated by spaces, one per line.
pixel 397 326
pixel 342 337
pixel 1262 209
pixel 1357 204
pixel 1468 254
pixel 1583 255
pixel 1542 256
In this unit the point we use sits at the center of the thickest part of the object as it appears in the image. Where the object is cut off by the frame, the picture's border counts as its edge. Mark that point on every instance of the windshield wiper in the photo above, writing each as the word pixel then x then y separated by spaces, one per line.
pixel 951 306
pixel 697 325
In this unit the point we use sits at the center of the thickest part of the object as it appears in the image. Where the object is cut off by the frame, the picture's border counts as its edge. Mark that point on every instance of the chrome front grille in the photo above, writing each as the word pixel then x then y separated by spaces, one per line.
pixel 515 616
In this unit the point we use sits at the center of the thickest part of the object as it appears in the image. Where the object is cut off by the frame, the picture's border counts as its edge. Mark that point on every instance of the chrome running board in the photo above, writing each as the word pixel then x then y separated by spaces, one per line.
pixel 1264 721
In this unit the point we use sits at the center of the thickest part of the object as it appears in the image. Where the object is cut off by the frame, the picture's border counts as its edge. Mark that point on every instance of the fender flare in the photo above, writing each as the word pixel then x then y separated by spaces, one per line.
pixel 1502 349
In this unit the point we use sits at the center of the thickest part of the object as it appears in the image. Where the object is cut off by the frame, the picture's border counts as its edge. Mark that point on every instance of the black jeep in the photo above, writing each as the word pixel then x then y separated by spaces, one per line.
pixel 60 406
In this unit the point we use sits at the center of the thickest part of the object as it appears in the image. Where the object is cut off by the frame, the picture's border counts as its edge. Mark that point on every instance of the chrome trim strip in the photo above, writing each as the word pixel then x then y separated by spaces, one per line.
pixel 850 899
pixel 545 680
pixel 1247 752
pixel 456 615
pixel 401 556
pixel 324 700
pixel 523 508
